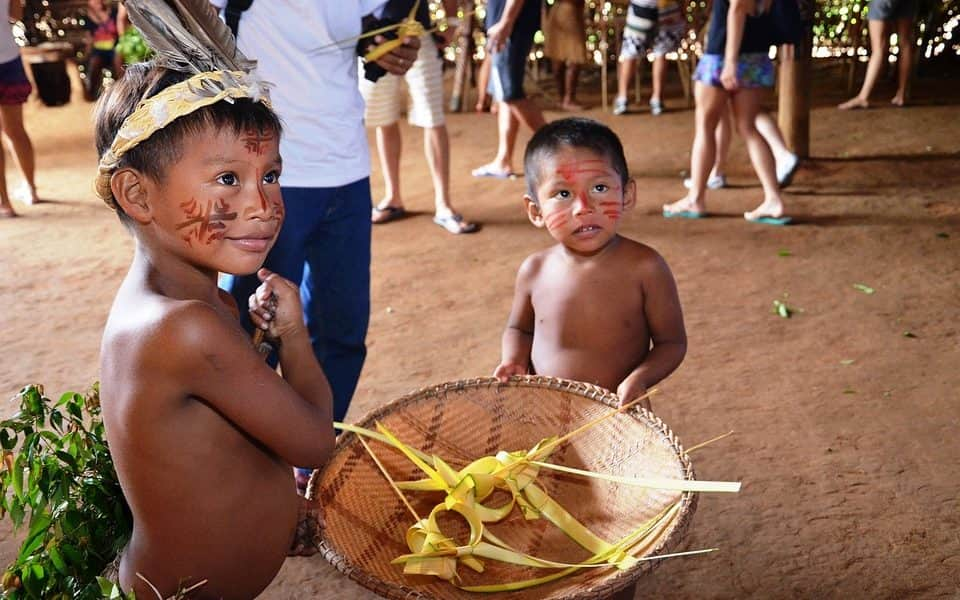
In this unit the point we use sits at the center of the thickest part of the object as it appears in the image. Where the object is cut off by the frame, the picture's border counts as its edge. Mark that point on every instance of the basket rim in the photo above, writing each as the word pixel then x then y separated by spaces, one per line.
pixel 620 580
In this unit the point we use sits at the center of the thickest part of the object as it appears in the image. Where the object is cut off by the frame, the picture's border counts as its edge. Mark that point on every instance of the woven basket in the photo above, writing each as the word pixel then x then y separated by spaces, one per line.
pixel 366 522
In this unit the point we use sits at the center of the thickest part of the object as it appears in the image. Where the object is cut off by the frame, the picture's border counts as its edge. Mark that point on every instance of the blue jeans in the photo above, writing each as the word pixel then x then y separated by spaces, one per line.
pixel 324 247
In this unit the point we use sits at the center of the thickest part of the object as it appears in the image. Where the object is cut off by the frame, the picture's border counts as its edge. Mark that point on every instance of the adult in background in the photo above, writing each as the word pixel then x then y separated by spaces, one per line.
pixel 883 16
pixel 104 25
pixel 385 100
pixel 308 51
pixel 511 25
pixel 737 68
pixel 14 90
pixel 651 26
pixel 565 44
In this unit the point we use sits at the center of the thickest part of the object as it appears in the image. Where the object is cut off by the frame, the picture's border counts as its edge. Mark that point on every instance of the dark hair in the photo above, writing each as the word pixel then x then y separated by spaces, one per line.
pixel 156 154
pixel 574 132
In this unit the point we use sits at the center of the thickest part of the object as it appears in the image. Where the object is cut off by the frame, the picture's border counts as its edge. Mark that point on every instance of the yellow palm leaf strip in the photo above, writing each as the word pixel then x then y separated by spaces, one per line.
pixel 376 436
pixel 710 441
pixel 659 483
pixel 558 515
pixel 389 479
pixel 408 452
pixel 549 447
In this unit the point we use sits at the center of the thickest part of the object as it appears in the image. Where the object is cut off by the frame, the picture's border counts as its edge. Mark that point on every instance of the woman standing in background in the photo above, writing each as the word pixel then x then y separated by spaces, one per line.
pixel 14 90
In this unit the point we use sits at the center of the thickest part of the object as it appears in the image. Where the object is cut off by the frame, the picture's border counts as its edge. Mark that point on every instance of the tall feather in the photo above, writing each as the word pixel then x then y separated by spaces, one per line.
pixel 187 35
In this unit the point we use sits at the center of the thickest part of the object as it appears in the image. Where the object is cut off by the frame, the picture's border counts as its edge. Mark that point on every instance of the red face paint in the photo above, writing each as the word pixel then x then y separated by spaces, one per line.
pixel 256 142
pixel 204 223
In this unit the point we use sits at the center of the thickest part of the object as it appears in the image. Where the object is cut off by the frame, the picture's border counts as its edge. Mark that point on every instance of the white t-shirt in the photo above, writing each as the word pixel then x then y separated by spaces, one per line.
pixel 9 49
pixel 295 44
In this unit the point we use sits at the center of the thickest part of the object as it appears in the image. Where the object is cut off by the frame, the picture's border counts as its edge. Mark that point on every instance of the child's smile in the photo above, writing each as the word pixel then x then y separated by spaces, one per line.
pixel 581 199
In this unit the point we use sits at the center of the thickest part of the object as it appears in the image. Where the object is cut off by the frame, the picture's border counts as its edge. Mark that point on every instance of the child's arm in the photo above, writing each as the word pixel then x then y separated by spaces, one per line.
pixel 517 340
pixel 275 307
pixel 661 310
pixel 200 353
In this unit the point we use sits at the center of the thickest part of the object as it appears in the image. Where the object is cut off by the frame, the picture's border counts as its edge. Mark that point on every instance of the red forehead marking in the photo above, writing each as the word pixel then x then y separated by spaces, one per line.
pixel 569 170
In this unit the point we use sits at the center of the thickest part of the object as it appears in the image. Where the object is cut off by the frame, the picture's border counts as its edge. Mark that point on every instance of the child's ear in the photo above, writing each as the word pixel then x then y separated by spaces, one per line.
pixel 629 195
pixel 130 193
pixel 533 211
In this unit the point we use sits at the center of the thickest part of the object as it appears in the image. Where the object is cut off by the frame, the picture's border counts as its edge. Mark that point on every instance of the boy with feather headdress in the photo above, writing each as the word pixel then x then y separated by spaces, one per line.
pixel 202 432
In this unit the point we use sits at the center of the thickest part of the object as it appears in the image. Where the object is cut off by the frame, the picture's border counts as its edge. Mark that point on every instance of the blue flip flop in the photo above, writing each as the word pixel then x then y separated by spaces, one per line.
pixel 683 214
pixel 778 221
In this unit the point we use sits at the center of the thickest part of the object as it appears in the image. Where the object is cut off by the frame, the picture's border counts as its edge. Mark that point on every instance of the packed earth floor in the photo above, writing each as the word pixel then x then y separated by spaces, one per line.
pixel 845 414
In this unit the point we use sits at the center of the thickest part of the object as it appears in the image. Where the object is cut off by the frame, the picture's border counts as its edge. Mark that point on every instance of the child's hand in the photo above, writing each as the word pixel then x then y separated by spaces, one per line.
pixel 630 389
pixel 504 371
pixel 275 306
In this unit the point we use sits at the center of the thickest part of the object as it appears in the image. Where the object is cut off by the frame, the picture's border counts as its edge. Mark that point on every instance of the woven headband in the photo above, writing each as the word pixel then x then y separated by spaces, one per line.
pixel 178 100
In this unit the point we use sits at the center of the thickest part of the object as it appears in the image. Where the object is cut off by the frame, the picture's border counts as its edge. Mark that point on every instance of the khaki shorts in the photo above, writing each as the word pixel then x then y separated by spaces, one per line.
pixel 385 100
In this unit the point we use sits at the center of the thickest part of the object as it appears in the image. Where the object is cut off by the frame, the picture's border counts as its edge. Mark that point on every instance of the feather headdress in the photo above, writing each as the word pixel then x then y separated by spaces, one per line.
pixel 186 36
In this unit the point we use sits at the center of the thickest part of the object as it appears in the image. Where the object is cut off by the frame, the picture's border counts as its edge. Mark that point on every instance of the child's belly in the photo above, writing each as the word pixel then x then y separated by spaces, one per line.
pixel 235 533
pixel 602 367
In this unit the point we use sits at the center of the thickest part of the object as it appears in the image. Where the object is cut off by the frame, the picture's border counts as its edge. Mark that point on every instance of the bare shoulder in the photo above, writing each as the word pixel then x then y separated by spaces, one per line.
pixel 166 335
pixel 534 264
pixel 642 257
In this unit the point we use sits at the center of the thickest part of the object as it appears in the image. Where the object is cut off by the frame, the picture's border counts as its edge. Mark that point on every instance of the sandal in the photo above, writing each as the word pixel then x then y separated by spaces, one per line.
pixel 455 224
pixel 379 216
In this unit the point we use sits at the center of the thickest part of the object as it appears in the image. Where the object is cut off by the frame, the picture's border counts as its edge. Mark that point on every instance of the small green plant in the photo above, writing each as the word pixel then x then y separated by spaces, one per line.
pixel 59 479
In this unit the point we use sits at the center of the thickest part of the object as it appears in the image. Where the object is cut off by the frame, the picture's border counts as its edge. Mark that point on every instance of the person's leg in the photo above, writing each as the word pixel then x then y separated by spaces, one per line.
pixel 878 55
pixel 483 79
pixel 389 146
pixel 6 209
pixel 560 79
pixel 659 76
pixel 336 287
pixel 786 161
pixel 746 106
pixel 904 59
pixel 572 73
pixel 11 118
pixel 711 103
pixel 625 71
pixel 723 135
pixel 94 77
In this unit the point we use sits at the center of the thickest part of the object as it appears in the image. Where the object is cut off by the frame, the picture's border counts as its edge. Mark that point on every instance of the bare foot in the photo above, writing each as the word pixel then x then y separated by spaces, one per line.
pixel 7 212
pixel 770 208
pixel 685 207
pixel 898 101
pixel 854 103
pixel 571 106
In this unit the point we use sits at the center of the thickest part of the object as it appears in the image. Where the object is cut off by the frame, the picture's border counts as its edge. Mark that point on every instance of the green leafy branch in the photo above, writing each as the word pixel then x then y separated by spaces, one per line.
pixel 59 479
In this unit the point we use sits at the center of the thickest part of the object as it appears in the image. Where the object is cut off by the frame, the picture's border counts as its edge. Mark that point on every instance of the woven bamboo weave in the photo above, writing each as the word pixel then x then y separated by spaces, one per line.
pixel 366 523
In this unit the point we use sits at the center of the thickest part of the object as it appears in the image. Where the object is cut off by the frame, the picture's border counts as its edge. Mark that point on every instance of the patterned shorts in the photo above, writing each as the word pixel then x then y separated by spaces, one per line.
pixel 14 86
pixel 754 70
pixel 652 28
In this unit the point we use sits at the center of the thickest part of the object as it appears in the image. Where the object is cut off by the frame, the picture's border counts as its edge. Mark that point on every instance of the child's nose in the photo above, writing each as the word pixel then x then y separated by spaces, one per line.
pixel 582 203
pixel 260 205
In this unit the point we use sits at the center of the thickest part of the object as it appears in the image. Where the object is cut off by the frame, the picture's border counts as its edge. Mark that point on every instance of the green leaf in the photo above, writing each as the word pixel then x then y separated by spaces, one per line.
pixel 107 587
pixel 908 334
pixel 866 289
pixel 849 391
pixel 57 559
pixel 781 309
pixel 943 235
pixel 784 252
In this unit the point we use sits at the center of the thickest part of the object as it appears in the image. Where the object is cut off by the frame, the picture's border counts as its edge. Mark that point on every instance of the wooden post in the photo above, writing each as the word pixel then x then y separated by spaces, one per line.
pixel 604 58
pixel 464 56
pixel 794 97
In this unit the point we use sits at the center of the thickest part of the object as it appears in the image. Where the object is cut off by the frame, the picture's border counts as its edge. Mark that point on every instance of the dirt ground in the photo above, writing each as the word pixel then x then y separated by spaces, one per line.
pixel 846 415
